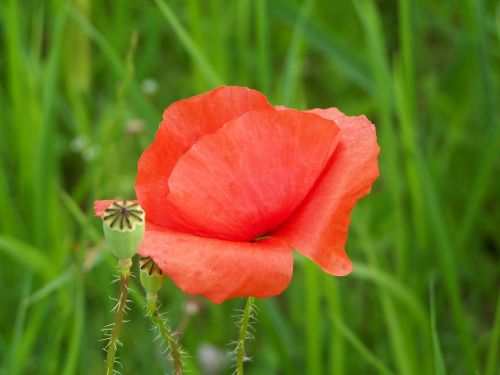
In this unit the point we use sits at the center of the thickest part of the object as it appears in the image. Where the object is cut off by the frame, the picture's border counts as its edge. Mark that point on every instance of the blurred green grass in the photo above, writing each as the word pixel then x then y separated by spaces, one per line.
pixel 79 101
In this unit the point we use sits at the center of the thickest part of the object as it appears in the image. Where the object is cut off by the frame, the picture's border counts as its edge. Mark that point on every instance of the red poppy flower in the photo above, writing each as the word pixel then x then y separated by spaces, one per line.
pixel 231 185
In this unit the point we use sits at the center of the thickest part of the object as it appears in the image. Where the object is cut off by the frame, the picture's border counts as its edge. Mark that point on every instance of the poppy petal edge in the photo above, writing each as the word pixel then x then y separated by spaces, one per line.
pixel 220 269
pixel 318 229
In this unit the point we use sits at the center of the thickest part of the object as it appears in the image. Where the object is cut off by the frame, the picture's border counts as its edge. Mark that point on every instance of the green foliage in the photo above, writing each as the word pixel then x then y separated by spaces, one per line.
pixel 81 95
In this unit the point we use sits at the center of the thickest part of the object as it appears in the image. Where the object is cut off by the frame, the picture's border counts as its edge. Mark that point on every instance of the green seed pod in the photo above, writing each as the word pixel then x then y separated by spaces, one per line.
pixel 123 224
pixel 151 276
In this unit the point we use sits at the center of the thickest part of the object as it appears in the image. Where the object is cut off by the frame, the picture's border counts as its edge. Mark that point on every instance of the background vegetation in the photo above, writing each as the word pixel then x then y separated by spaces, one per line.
pixel 82 87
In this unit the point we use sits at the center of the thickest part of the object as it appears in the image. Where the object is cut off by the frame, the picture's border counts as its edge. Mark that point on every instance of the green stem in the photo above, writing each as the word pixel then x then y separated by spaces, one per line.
pixel 161 324
pixel 124 266
pixel 245 321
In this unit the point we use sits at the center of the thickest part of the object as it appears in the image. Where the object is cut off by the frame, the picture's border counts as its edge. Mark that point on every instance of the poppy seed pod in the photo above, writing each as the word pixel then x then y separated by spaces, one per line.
pixel 123 224
pixel 151 276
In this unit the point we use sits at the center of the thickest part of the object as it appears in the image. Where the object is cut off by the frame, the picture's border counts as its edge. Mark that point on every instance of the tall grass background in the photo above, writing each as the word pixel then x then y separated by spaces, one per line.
pixel 82 87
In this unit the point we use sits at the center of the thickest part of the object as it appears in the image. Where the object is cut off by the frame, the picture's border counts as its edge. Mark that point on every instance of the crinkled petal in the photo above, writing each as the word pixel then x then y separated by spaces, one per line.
pixel 247 178
pixel 318 229
pixel 220 269
pixel 184 122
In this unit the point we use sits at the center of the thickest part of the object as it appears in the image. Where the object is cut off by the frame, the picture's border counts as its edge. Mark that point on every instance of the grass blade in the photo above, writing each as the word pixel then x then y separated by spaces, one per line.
pixel 194 51
pixel 361 348
pixel 439 367
pixel 493 353
pixel 27 255
pixel 294 57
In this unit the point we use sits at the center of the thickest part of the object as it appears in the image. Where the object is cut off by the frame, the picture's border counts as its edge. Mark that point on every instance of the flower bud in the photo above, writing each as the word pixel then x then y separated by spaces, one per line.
pixel 123 224
pixel 151 276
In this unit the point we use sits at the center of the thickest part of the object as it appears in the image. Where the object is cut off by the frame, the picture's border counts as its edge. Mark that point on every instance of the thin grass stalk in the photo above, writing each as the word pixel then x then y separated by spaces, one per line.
pixel 448 267
pixel 337 352
pixel 370 19
pixel 244 15
pixel 188 43
pixel 46 158
pixel 218 52
pixel 312 320
pixel 383 98
pixel 114 60
pixel 293 64
pixel 327 44
pixel 405 95
pixel 402 348
pixel 437 354
pixel 262 30
pixel 360 347
pixel 15 365
pixel 195 25
pixel 276 325
pixel 74 345
pixel 493 352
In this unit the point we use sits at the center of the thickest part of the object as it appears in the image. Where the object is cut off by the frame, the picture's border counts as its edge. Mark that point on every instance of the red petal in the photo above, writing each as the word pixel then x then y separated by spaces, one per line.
pixel 248 178
pixel 101 206
pixel 318 229
pixel 220 269
pixel 184 122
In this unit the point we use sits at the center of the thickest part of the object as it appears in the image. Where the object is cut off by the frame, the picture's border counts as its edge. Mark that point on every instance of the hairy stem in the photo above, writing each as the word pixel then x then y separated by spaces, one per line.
pixel 161 324
pixel 245 321
pixel 124 266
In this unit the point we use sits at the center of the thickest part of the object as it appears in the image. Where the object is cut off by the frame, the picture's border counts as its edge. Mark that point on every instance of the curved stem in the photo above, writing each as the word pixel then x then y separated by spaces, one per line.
pixel 124 266
pixel 161 324
pixel 245 321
